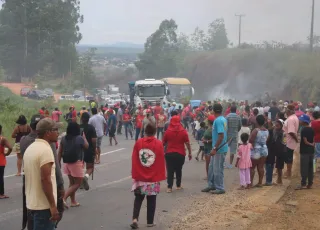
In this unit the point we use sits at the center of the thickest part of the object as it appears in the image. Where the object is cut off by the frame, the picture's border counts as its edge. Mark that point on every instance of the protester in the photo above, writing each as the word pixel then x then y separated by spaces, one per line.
pixel 186 116
pixel 244 129
pixel 175 139
pixel 112 125
pixel 271 158
pixel 291 126
pixel 99 123
pixel 148 169
pixel 199 137
pixel 258 139
pixel 234 126
pixel 274 110
pixel 126 118
pixel 253 119
pixel 244 161
pixel 139 120
pixel 40 177
pixel 22 129
pixel 56 115
pixel 279 148
pixel 148 119
pixel 315 124
pixel 119 120
pixel 4 143
pixel 71 150
pixel 73 114
pixel 89 153
pixel 82 111
pixel 161 120
pixel 306 153
pixel 171 109
pixel 207 140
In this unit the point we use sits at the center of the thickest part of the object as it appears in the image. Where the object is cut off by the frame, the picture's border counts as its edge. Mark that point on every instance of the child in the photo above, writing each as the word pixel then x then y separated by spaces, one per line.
pixel 306 153
pixel 244 162
pixel 200 133
pixel 244 129
pixel 196 127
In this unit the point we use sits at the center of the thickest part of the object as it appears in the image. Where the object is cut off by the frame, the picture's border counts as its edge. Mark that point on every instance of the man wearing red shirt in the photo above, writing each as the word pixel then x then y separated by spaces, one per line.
pixel 161 120
pixel 139 119
pixel 73 114
pixel 157 109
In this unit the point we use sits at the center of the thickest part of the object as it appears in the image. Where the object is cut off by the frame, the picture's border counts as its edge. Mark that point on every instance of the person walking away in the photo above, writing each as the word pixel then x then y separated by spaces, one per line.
pixel 71 151
pixel 89 153
pixel 199 137
pixel 73 114
pixel 22 129
pixel 99 123
pixel 56 115
pixel 161 120
pixel 175 139
pixel 306 153
pixel 271 158
pixel 148 170
pixel 279 148
pixel 25 142
pixel 244 161
pixel 82 111
pixel 196 126
pixel 207 140
pixel 126 118
pixel 253 119
pixel 4 143
pixel 258 139
pixel 186 117
pixel 112 125
pixel 119 120
pixel 234 126
pixel 244 129
pixel 139 119
pixel 147 120
pixel 157 109
pixel 218 152
pixel 315 124
pixel 273 111
pixel 290 127
pixel 171 109
pixel 40 177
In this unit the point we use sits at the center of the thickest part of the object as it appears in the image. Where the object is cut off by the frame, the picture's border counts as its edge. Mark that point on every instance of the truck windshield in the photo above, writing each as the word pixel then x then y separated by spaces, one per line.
pixel 151 90
pixel 179 91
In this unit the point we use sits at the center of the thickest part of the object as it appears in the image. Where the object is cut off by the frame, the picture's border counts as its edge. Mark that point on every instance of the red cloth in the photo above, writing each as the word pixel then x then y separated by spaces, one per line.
pixel 316 128
pixel 139 120
pixel 227 111
pixel 175 137
pixel 41 112
pixel 157 110
pixel 74 116
pixel 126 117
pixel 299 113
pixel 155 172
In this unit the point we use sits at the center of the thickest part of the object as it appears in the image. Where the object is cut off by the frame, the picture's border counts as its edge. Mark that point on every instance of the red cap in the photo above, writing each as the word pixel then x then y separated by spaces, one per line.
pixel 211 118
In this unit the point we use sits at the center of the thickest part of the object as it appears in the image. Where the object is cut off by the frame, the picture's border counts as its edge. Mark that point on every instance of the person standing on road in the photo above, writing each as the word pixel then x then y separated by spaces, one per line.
pixel 22 129
pixel 119 120
pixel 25 142
pixel 207 140
pixel 112 125
pixel 4 143
pixel 161 120
pixel 315 124
pixel 218 153
pixel 89 153
pixel 149 119
pixel 290 127
pixel 139 120
pixel 175 139
pixel 40 177
pixel 71 150
pixel 99 123
pixel 273 111
pixel 234 126
pixel 126 118
pixel 148 169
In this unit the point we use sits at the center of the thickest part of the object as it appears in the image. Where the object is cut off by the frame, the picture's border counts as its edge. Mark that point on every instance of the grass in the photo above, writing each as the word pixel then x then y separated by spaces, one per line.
pixel 12 106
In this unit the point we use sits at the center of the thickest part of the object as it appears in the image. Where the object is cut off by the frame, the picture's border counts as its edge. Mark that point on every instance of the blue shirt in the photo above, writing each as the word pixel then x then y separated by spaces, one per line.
pixel 112 118
pixel 220 126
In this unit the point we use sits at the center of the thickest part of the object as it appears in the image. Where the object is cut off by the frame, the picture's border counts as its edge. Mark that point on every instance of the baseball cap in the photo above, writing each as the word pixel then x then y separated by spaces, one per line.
pixel 211 118
pixel 304 118
pixel 47 124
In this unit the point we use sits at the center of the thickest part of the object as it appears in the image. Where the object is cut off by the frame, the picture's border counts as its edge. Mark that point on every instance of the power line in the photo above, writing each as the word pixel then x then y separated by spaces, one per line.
pixel 240 23
pixel 312 27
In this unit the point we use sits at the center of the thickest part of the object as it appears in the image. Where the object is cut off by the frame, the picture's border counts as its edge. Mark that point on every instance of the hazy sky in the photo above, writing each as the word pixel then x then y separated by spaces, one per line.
pixel 109 21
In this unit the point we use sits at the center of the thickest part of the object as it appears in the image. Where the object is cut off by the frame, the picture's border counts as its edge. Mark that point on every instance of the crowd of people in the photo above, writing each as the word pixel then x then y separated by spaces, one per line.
pixel 258 137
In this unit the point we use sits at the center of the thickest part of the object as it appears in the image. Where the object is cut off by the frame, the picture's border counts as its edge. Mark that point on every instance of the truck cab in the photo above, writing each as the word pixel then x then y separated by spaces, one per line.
pixel 149 91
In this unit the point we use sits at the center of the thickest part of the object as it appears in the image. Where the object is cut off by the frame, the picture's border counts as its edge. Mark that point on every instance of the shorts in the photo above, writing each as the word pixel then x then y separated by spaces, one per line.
pixel 280 162
pixel 89 157
pixel 99 141
pixel 201 148
pixel 233 147
pixel 74 169
pixel 317 150
pixel 112 132
pixel 289 156
pixel 16 148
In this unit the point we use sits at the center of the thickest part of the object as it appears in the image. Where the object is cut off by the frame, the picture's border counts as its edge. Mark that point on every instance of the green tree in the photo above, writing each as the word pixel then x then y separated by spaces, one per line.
pixel 198 40
pixel 161 49
pixel 217 35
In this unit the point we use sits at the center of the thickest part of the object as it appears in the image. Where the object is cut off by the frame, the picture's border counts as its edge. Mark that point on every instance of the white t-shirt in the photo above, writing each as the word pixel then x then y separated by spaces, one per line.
pixel 37 155
pixel 98 122
pixel 197 125
pixel 243 130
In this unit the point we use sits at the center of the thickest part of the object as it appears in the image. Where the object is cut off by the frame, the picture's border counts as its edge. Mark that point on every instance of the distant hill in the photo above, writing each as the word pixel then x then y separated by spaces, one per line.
pixel 116 48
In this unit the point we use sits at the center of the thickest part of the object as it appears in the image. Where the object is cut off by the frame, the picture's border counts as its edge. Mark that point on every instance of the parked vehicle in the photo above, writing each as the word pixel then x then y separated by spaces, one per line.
pixel 37 95
pixel 66 98
pixel 78 93
pixel 24 92
pixel 49 92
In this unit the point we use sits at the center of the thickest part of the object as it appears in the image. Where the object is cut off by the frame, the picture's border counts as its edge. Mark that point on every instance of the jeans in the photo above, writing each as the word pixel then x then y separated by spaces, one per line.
pixel 41 219
pixel 2 180
pixel 119 129
pixel 175 162
pixel 138 130
pixel 128 128
pixel 269 172
pixel 160 130
pixel 151 207
pixel 216 171
pixel 186 123
pixel 306 169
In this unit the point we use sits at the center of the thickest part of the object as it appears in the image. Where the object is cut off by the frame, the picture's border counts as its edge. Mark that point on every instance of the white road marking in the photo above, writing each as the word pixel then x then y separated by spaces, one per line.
pixel 102 154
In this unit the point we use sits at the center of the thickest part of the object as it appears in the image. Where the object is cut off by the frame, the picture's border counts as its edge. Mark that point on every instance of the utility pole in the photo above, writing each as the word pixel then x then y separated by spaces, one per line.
pixel 240 23
pixel 312 27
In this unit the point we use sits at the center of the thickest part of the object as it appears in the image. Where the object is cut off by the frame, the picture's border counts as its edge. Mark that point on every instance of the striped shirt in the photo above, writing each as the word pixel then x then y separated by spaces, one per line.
pixel 234 125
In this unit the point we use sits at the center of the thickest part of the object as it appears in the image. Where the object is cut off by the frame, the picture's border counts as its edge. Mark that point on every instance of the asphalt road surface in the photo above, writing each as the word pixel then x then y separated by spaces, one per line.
pixel 109 202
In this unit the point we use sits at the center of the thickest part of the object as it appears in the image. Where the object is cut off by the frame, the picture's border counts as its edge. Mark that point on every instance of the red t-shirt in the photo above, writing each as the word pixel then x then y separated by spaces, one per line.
pixel 41 112
pixel 126 117
pixel 74 116
pixel 139 120
pixel 175 138
pixel 316 128
pixel 157 110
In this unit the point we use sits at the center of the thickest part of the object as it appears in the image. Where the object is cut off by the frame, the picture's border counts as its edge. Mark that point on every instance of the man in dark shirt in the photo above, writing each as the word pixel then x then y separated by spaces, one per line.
pixel 306 152
pixel 25 142
pixel 274 110
pixel 89 154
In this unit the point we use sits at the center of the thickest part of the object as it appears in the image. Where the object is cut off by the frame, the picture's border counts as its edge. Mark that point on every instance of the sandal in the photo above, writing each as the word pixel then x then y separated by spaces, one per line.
pixel 65 205
pixel 300 187
pixel 179 188
pixel 169 190
pixel 150 225
pixel 75 205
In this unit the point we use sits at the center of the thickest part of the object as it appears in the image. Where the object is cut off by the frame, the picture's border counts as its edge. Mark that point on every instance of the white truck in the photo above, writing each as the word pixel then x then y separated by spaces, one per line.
pixel 149 91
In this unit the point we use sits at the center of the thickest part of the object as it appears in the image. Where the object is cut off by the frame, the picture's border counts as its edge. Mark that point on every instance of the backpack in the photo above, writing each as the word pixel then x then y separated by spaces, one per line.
pixel 70 151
